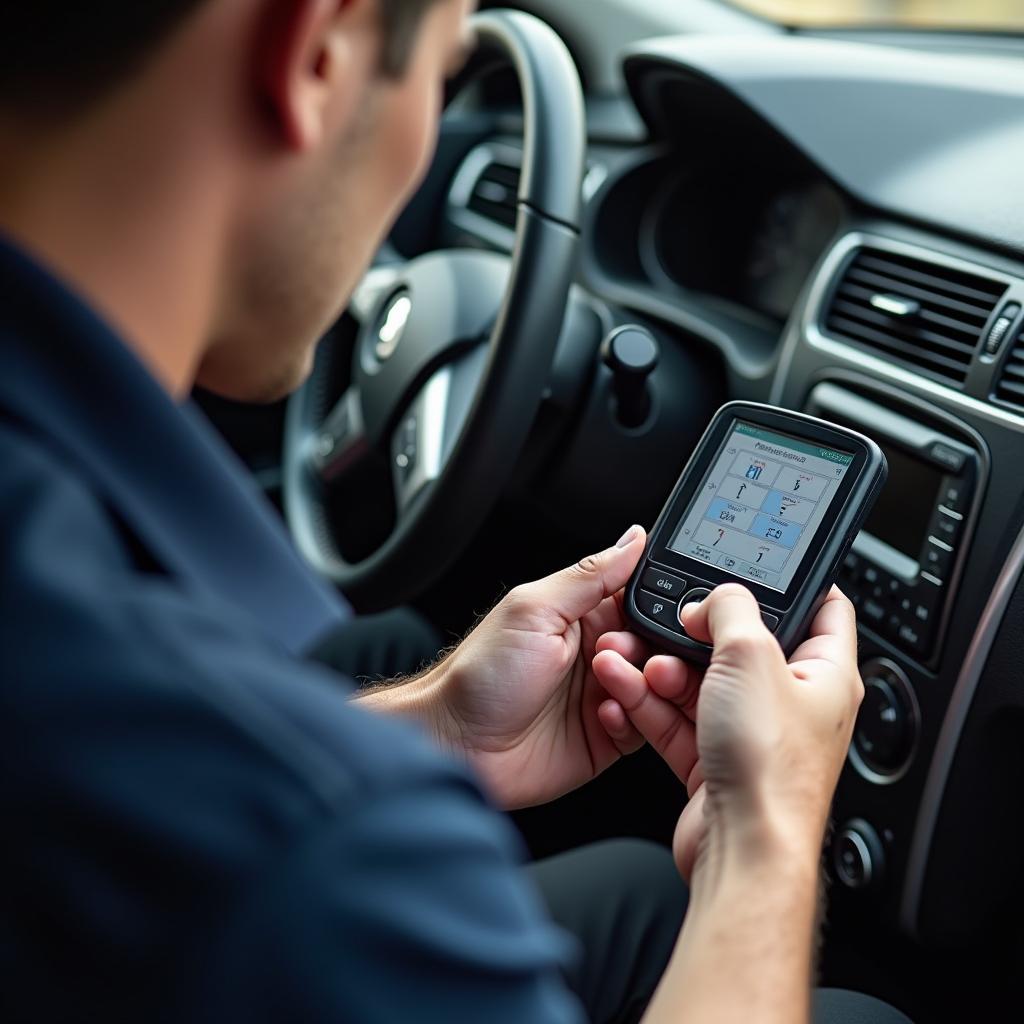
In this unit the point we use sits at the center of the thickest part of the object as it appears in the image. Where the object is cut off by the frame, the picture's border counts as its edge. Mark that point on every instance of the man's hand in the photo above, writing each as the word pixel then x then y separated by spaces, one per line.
pixel 520 691
pixel 758 742
pixel 518 696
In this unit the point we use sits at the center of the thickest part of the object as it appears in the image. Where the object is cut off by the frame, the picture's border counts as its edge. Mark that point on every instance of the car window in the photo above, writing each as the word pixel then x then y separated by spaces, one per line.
pixel 990 15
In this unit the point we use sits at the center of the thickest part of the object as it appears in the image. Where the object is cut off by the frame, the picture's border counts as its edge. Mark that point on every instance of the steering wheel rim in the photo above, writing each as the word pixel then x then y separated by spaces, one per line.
pixel 470 468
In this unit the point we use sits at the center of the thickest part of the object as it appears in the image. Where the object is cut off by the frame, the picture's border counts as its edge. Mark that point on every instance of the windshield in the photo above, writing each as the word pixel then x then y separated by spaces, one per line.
pixel 989 15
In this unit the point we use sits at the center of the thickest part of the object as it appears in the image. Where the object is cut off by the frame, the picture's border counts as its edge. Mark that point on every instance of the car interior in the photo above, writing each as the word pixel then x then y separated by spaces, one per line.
pixel 827 218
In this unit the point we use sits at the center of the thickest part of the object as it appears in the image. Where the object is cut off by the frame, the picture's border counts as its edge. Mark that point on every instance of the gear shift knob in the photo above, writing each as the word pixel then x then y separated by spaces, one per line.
pixel 631 353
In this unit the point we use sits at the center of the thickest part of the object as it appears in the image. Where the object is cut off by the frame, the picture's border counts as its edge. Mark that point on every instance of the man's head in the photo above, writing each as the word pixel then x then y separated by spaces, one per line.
pixel 296 130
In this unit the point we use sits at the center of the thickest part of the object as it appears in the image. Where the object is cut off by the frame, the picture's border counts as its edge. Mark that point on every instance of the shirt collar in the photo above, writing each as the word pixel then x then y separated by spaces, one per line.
pixel 159 465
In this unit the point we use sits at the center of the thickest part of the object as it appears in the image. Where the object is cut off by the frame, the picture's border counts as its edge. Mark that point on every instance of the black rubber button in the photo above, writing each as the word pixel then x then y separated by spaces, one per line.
pixel 696 595
pixel 657 581
pixel 660 609
pixel 771 621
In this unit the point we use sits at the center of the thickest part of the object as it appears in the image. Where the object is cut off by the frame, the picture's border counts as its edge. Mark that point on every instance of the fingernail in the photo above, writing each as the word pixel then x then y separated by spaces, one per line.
pixel 689 607
pixel 628 537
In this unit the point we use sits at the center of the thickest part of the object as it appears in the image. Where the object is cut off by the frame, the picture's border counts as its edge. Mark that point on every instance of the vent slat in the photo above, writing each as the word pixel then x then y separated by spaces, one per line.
pixel 931 280
pixel 919 335
pixel 1010 386
pixel 1008 389
pixel 887 284
pixel 880 339
pixel 948 311
pixel 496 194
pixel 968 329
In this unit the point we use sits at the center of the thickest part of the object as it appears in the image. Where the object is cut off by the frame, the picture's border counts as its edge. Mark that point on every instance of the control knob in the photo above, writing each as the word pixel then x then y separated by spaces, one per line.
pixel 887 723
pixel 858 855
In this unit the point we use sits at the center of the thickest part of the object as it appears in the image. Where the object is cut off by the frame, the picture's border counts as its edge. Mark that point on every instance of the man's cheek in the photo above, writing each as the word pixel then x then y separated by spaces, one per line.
pixel 411 144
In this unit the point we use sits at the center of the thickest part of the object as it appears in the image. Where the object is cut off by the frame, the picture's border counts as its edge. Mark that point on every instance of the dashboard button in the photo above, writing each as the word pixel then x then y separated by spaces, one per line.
pixel 657 581
pixel 660 609
pixel 696 595
pixel 937 558
pixel 946 525
pixel 771 621
pixel 947 457
pixel 953 497
pixel 873 611
pixel 851 568
pixel 911 637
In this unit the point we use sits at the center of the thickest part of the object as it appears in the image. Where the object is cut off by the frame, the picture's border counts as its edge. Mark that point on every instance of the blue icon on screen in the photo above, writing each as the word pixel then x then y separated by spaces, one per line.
pixel 776 530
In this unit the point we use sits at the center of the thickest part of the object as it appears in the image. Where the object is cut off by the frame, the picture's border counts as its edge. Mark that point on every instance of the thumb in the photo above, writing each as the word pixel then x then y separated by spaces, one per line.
pixel 730 619
pixel 573 592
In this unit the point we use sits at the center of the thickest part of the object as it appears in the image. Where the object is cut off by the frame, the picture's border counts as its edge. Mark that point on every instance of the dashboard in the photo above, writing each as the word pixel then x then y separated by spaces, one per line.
pixel 835 226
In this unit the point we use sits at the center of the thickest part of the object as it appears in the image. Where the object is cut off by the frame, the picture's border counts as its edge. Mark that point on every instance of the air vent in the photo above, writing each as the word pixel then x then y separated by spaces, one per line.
pixel 1010 389
pixel 495 193
pixel 924 314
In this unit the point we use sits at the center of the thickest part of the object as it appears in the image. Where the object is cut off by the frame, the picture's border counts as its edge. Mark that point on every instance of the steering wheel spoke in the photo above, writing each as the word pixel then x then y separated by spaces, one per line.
pixel 426 435
pixel 341 443
pixel 418 443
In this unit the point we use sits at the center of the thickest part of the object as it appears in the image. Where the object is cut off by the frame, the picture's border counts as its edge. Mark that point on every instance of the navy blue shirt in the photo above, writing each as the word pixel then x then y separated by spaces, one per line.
pixel 197 824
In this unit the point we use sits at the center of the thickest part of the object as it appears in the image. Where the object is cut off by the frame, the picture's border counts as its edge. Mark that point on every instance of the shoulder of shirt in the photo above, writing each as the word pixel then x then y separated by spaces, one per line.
pixel 87 630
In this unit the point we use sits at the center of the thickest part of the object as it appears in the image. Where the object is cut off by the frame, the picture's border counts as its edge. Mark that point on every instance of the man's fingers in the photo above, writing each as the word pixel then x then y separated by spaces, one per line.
pixel 634 649
pixel 730 619
pixel 676 681
pixel 695 780
pixel 833 633
pixel 691 828
pixel 730 610
pixel 573 592
pixel 619 728
pixel 659 721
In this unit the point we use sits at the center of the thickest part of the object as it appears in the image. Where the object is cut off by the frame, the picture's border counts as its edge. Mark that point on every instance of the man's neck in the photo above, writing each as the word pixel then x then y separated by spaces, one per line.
pixel 112 209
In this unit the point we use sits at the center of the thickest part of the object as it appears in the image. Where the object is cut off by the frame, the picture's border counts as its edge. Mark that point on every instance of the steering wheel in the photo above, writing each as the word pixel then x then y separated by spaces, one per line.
pixel 452 357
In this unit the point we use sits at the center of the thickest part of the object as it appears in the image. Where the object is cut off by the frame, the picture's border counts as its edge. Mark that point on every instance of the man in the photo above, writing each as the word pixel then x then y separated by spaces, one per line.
pixel 197 825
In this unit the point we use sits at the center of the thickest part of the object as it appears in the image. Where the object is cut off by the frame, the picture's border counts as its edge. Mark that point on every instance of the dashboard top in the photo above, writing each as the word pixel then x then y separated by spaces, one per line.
pixel 925 136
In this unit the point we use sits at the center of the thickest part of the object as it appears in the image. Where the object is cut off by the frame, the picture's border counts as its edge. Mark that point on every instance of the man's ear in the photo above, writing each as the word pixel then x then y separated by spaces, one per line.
pixel 311 56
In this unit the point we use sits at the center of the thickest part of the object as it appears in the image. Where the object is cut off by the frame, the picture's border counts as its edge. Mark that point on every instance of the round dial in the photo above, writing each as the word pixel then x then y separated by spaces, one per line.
pixel 888 722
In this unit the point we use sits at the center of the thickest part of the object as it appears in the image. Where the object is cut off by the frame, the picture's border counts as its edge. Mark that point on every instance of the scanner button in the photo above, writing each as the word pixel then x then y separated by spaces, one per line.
pixel 695 596
pixel 660 609
pixel 657 581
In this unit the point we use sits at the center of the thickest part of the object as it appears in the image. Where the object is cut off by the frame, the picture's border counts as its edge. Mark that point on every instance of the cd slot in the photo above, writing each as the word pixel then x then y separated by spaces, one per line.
pixel 902 568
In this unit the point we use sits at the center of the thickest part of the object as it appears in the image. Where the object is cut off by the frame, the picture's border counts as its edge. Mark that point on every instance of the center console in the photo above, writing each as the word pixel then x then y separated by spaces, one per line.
pixel 936 573
pixel 905 565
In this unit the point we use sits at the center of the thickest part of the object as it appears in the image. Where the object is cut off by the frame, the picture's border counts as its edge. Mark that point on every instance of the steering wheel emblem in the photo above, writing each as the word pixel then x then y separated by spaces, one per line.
pixel 392 326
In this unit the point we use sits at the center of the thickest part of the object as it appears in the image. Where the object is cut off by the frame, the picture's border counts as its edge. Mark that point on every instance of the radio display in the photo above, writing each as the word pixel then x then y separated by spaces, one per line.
pixel 904 509
pixel 760 505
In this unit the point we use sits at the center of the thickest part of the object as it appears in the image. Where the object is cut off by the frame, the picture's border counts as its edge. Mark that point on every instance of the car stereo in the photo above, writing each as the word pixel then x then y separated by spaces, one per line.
pixel 770 498
pixel 902 569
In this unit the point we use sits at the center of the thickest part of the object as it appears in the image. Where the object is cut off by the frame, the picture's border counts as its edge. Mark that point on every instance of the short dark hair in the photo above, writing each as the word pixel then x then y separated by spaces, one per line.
pixel 60 57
